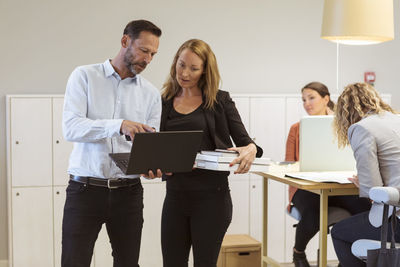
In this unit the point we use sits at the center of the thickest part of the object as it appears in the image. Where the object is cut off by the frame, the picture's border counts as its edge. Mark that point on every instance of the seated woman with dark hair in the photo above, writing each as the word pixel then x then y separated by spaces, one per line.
pixel 316 101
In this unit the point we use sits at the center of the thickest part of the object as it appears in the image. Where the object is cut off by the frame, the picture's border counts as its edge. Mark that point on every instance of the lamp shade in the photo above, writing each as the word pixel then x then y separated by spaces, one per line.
pixel 358 21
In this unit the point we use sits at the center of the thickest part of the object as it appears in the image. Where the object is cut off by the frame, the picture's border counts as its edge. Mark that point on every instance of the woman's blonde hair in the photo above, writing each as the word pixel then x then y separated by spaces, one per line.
pixel 357 101
pixel 209 80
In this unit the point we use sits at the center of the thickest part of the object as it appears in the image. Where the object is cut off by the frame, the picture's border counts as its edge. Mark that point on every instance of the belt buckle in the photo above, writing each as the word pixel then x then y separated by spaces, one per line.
pixel 109 184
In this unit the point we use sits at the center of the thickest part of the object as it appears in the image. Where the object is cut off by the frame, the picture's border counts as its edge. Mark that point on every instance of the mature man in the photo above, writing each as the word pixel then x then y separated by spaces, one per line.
pixel 104 102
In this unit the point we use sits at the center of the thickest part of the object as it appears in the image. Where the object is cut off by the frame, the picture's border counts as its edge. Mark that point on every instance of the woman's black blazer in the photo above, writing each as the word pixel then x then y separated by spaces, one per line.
pixel 223 122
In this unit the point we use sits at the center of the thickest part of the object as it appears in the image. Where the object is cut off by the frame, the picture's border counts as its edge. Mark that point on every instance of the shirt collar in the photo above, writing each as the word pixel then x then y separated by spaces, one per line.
pixel 108 68
pixel 109 71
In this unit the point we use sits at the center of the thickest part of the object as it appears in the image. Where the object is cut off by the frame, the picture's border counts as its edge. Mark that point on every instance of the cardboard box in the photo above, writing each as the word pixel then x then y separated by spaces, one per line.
pixel 239 251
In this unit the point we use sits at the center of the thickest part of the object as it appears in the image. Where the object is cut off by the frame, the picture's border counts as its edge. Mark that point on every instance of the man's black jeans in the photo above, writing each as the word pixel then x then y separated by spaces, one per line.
pixel 87 207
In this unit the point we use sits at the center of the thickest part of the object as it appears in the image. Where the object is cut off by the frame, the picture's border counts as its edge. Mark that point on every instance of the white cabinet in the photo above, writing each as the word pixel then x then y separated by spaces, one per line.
pixel 239 186
pixel 36 155
pixel 243 106
pixel 30 140
pixel 61 148
pixel 102 251
pixel 239 183
pixel 256 206
pixel 32 228
pixel 59 196
pixel 268 127
pixel 294 111
pixel 150 251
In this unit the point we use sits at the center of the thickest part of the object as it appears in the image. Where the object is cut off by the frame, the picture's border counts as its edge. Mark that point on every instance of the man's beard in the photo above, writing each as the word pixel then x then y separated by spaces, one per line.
pixel 129 60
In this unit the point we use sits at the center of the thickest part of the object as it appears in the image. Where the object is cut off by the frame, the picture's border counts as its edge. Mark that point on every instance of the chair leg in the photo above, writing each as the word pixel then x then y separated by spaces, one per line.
pixel 318 257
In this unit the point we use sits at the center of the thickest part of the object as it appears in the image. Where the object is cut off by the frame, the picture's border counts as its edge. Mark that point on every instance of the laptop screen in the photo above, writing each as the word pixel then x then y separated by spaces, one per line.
pixel 318 147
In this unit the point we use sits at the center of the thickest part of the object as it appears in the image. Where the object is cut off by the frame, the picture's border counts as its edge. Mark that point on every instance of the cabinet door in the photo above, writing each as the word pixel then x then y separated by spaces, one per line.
pixel 102 250
pixel 30 137
pixel 294 112
pixel 239 185
pixel 32 227
pixel 59 195
pixel 243 106
pixel 267 125
pixel 256 206
pixel 61 148
pixel 150 251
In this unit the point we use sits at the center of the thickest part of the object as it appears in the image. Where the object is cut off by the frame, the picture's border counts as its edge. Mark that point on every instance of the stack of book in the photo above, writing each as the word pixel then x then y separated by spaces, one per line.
pixel 219 160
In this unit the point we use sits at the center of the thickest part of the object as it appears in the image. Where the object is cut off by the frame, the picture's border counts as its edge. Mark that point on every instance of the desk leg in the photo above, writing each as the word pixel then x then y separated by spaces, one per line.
pixel 265 223
pixel 323 227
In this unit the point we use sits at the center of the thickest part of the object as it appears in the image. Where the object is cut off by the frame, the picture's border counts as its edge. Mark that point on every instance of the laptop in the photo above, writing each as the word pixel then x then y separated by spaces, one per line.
pixel 318 147
pixel 170 151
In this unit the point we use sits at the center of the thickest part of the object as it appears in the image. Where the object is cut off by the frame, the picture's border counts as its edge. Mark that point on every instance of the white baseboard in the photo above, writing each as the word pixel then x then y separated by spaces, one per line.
pixel 3 263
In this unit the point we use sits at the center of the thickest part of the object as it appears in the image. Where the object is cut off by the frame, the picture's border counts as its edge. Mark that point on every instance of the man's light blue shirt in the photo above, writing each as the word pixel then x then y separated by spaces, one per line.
pixel 96 102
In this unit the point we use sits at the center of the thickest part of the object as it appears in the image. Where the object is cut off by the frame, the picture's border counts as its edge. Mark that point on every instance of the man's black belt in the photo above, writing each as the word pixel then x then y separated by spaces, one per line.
pixel 105 182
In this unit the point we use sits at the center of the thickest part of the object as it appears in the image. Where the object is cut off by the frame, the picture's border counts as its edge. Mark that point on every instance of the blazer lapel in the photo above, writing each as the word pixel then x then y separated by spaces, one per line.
pixel 166 108
pixel 210 120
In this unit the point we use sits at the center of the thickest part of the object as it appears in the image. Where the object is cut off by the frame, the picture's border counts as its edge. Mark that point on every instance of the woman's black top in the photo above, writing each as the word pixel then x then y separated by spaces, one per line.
pixel 197 179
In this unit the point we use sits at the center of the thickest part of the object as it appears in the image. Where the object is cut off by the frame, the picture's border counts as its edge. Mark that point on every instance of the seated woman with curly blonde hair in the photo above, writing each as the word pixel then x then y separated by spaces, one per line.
pixel 372 129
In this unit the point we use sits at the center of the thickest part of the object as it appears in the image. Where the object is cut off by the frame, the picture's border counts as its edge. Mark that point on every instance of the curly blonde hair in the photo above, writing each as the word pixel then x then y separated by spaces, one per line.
pixel 357 101
pixel 209 81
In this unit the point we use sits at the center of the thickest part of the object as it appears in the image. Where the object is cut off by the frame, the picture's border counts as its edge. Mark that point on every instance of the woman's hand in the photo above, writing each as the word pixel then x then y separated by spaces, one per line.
pixel 355 181
pixel 245 158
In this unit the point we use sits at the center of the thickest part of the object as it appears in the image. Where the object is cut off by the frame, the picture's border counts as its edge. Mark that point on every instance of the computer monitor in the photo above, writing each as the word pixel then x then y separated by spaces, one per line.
pixel 318 147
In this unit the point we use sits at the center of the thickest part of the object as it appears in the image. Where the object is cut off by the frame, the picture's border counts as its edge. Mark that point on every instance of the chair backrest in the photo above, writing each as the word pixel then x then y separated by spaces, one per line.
pixel 380 195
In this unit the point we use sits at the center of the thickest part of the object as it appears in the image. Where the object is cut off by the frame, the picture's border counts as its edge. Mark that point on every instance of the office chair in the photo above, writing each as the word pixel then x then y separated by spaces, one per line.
pixel 381 196
pixel 335 214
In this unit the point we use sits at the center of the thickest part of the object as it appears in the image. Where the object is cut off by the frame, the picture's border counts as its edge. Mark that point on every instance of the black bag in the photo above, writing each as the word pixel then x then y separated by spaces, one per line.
pixel 384 257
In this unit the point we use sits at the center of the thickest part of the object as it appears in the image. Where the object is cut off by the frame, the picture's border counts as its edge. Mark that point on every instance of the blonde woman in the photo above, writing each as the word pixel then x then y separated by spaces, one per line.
pixel 198 208
pixel 372 129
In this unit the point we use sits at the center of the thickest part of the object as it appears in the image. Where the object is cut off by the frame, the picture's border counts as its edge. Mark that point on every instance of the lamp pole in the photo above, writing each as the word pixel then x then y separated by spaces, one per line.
pixel 337 67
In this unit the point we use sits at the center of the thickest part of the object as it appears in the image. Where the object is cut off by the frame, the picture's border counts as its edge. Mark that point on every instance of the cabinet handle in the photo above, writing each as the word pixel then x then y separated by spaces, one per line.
pixel 16 142
pixel 57 142
pixel 254 186
pixel 17 194
pixel 58 192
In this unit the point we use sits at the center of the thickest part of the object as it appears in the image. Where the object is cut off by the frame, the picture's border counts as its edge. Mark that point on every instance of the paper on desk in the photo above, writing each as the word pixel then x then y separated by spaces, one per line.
pixel 324 177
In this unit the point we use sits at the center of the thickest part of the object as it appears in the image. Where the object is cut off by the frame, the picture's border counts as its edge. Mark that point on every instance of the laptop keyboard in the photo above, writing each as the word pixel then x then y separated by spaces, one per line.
pixel 123 162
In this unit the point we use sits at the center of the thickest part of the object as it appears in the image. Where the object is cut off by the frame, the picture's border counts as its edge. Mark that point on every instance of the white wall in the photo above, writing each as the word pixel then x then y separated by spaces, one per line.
pixel 262 46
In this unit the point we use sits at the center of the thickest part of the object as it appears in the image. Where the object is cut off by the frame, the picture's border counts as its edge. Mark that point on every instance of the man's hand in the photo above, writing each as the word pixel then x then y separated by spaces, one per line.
pixel 151 175
pixel 130 128
pixel 246 157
